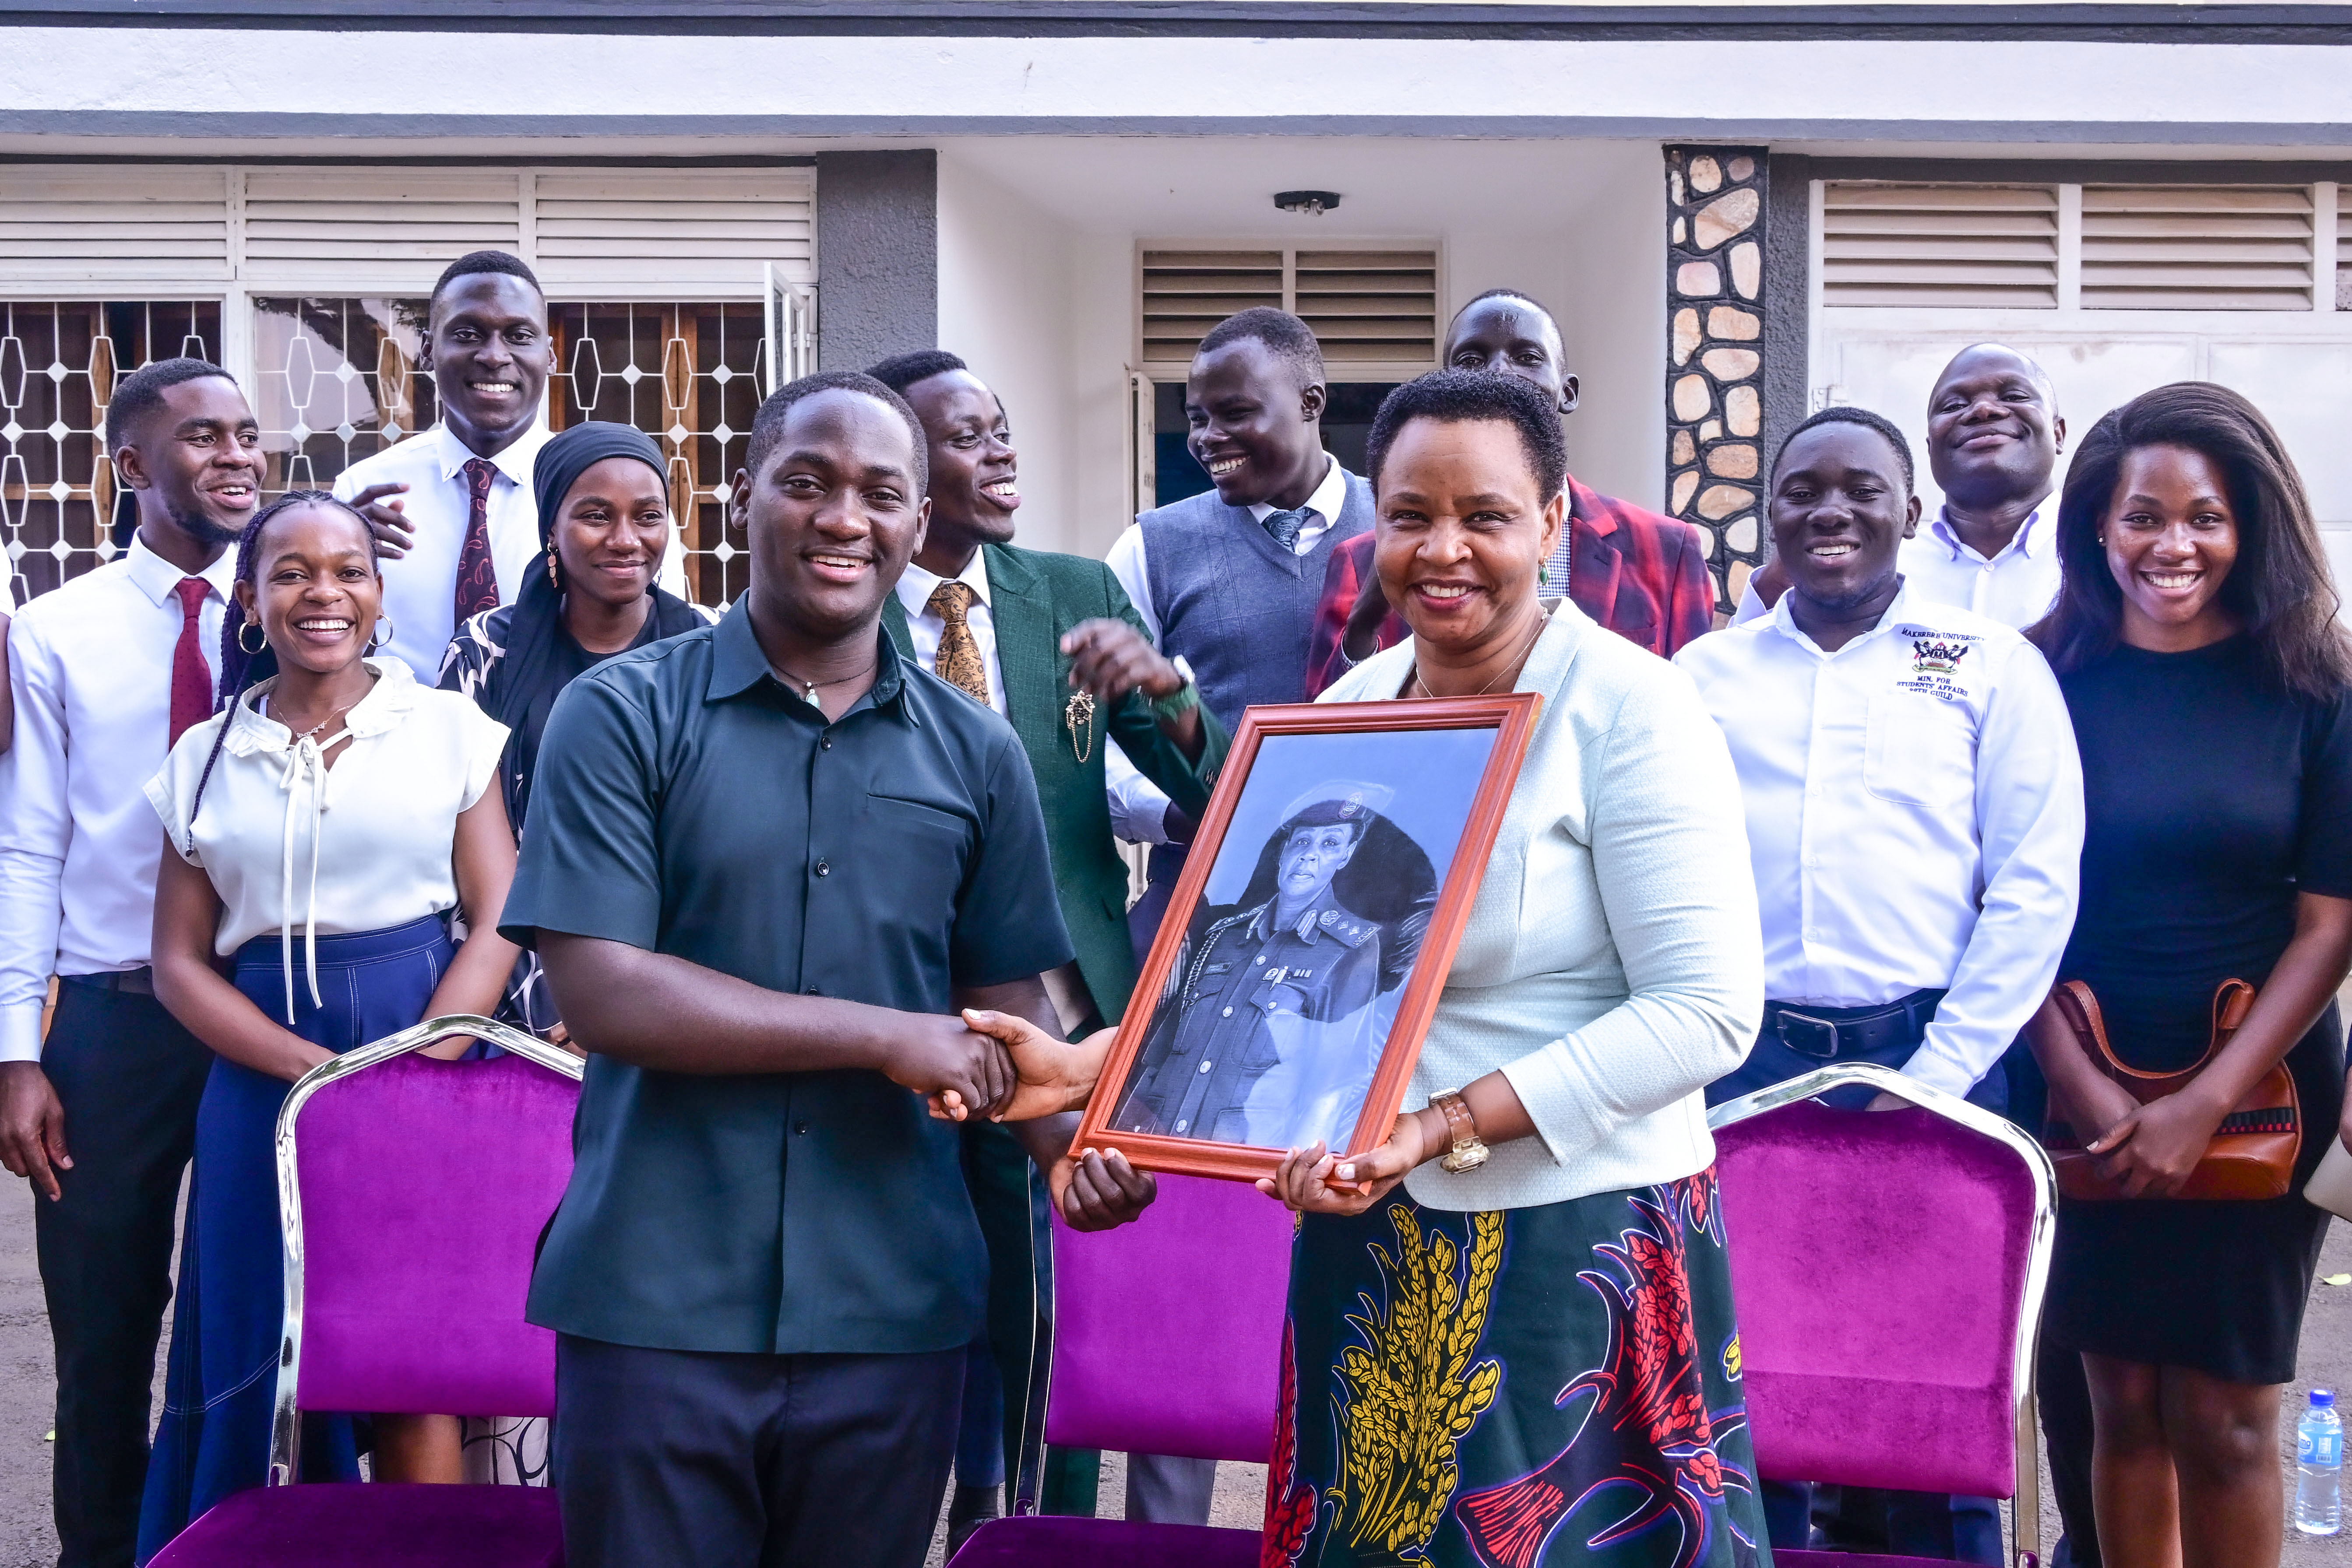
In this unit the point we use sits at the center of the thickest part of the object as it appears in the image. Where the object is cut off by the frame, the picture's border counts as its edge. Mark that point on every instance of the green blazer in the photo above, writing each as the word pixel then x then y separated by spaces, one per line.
pixel 1034 596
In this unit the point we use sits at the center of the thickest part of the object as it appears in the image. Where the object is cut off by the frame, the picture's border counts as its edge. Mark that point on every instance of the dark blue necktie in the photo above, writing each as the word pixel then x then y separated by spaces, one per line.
pixel 1285 526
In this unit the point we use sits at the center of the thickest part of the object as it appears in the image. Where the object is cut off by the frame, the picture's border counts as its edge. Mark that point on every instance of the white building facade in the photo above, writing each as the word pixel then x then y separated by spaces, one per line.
pixel 1739 212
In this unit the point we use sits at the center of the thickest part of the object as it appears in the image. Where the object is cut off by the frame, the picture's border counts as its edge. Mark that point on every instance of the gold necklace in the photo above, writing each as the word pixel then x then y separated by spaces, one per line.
pixel 1519 661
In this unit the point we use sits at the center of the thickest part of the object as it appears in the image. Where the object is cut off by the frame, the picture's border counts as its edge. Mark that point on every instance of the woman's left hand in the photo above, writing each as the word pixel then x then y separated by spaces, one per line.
pixel 1313 1180
pixel 2152 1152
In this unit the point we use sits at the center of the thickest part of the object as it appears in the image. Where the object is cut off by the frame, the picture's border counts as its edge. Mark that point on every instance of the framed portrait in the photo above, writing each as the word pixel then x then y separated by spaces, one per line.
pixel 1306 941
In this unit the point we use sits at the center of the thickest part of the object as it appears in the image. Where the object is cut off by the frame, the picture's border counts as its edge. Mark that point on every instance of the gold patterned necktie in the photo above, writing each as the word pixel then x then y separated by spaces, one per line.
pixel 959 661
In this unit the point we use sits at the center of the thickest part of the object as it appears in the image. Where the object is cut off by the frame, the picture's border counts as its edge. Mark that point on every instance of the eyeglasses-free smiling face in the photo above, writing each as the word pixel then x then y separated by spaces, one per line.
pixel 1254 426
pixel 975 471
pixel 315 587
pixel 201 453
pixel 612 531
pixel 489 350
pixel 2171 537
pixel 1463 531
pixel 1840 510
pixel 836 512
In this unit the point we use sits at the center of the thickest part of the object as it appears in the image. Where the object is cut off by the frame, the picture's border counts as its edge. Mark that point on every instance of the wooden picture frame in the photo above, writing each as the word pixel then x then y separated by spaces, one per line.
pixel 1322 986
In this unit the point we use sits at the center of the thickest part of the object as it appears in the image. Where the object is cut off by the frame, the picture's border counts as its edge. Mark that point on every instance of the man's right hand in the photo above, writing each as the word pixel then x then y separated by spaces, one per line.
pixel 32 1126
pixel 959 1069
pixel 393 532
pixel 1055 1075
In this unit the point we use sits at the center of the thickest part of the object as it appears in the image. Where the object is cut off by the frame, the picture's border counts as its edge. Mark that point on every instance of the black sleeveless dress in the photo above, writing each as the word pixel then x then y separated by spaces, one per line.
pixel 2214 798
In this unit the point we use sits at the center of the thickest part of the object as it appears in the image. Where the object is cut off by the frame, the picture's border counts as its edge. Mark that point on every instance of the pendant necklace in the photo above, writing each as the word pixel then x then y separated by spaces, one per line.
pixel 810 689
pixel 1516 663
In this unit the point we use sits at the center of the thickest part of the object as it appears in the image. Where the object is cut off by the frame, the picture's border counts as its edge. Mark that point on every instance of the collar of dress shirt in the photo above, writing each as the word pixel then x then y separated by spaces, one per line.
pixel 2025 542
pixel 157 578
pixel 514 460
pixel 1329 495
pixel 1783 622
pixel 917 584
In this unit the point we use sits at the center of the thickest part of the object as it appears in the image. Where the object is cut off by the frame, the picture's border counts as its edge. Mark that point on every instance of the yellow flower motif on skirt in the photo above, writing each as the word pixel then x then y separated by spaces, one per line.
pixel 1410 1392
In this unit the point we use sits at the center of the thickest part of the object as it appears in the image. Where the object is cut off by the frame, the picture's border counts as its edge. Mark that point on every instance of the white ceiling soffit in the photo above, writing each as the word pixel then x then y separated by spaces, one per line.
pixel 2197 248
pixel 321 228
pixel 1989 246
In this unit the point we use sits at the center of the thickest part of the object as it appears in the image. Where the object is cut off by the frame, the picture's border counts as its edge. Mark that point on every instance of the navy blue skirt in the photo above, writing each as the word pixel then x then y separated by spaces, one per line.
pixel 226 1324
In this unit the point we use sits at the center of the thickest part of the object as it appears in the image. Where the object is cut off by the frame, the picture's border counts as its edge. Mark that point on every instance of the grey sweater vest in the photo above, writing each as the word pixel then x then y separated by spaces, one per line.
pixel 1238 607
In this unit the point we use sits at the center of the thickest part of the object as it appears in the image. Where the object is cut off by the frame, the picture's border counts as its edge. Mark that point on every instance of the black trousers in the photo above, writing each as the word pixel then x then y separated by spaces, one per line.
pixel 129 1078
pixel 666 1457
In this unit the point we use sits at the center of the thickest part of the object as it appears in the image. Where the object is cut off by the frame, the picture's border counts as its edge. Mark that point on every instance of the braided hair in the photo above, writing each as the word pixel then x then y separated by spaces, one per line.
pixel 240 671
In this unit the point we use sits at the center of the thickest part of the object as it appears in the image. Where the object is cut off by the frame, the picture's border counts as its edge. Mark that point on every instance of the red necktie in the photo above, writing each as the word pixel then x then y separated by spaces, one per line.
pixel 477 576
pixel 192 679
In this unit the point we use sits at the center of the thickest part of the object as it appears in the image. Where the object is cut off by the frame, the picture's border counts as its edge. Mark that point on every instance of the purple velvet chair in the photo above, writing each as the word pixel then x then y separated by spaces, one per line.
pixel 1167 1340
pixel 412 1205
pixel 1887 1267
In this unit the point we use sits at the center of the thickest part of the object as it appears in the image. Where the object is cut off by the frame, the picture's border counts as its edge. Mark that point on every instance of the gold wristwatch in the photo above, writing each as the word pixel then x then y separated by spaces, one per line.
pixel 1469 1151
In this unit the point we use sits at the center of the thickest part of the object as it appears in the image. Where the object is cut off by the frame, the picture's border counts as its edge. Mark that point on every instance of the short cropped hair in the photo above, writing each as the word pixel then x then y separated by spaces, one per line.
pixel 476 262
pixel 1461 397
pixel 768 426
pixel 1519 294
pixel 141 393
pixel 1289 339
pixel 1841 414
pixel 900 372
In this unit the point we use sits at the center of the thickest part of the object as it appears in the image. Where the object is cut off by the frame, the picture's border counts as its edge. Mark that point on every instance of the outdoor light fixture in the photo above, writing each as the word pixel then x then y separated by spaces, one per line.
pixel 1314 204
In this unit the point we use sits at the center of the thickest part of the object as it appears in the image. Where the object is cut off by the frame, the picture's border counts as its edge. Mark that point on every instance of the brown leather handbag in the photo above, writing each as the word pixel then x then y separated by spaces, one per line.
pixel 2252 1152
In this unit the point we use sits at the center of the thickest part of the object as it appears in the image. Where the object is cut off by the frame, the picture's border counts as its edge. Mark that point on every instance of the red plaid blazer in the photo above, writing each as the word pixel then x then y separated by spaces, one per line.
pixel 1641 575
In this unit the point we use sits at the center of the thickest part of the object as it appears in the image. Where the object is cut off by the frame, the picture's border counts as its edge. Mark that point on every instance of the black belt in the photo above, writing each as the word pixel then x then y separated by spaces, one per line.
pixel 138 982
pixel 1827 1033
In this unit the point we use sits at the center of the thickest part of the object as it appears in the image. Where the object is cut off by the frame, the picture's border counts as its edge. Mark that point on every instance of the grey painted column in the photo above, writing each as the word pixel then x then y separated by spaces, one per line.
pixel 1717 339
pixel 877 256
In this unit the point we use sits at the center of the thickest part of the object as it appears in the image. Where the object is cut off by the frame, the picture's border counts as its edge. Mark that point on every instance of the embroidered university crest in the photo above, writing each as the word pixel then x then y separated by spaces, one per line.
pixel 1931 654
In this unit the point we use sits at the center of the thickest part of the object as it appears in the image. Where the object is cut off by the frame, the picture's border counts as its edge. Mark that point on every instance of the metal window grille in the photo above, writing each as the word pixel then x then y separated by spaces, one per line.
pixel 60 514
pixel 691 375
pixel 337 381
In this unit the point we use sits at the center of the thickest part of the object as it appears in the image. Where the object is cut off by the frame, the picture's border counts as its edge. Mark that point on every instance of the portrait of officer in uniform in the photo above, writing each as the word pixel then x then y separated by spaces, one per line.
pixel 1274 1014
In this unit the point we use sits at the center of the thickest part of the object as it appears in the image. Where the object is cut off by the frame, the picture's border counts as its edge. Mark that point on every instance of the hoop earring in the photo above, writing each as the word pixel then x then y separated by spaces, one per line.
pixel 380 634
pixel 251 653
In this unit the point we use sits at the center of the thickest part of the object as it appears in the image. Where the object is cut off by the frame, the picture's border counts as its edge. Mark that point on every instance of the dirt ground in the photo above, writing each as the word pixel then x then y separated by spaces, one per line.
pixel 27 1394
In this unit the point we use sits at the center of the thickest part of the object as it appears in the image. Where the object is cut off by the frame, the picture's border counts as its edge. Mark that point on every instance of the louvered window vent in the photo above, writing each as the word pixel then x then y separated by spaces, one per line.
pixel 1368 308
pixel 2197 248
pixel 1940 246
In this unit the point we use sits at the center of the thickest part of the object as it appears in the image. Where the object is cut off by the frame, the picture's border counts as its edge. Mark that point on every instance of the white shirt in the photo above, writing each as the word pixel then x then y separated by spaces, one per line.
pixel 90 667
pixel 292 845
pixel 1915 817
pixel 420 588
pixel 925 628
pixel 2016 587
pixel 1138 810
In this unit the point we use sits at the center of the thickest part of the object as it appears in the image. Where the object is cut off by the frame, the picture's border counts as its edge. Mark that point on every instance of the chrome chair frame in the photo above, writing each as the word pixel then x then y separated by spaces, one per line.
pixel 286 1425
pixel 2025 1506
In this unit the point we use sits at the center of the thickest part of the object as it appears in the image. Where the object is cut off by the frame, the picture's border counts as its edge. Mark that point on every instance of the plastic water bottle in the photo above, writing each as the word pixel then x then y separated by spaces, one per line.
pixel 2319 1466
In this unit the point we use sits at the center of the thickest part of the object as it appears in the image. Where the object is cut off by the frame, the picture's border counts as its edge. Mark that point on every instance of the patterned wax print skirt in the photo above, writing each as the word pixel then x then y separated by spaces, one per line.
pixel 1548 1386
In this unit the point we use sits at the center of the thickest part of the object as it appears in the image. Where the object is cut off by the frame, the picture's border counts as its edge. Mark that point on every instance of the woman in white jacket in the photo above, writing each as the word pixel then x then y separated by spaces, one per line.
pixel 1532 1358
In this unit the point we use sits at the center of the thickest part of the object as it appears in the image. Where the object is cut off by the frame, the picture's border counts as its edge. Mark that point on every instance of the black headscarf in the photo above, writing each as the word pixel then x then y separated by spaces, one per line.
pixel 541 656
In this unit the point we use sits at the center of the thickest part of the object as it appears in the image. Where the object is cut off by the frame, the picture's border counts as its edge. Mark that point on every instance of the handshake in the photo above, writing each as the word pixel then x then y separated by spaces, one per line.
pixel 998 1066
pixel 1005 1068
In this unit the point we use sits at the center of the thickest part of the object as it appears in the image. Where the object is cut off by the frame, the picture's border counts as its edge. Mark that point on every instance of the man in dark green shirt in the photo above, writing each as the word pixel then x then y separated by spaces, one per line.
pixel 768 861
